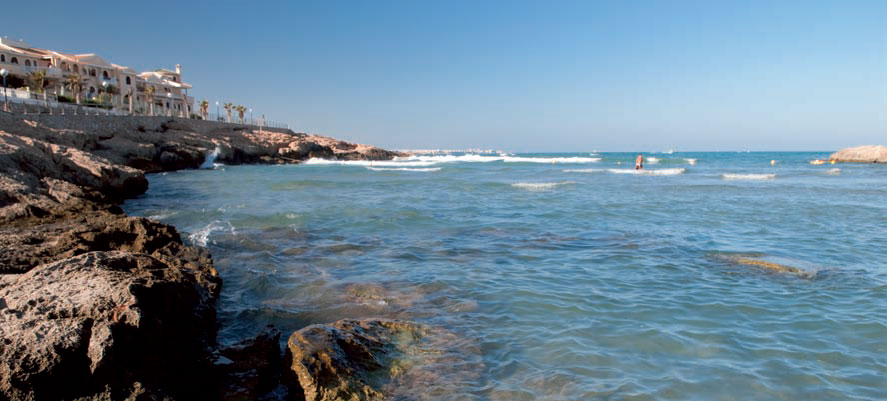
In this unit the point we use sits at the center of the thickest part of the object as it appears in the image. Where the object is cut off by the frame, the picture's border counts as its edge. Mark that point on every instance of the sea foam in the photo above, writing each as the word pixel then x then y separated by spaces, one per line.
pixel 540 186
pixel 423 170
pixel 748 176
pixel 210 159
pixel 201 236
pixel 662 171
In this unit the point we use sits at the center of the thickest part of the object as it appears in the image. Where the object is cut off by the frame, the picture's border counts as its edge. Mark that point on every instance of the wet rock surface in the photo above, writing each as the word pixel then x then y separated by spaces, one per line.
pixel 377 359
pixel 98 305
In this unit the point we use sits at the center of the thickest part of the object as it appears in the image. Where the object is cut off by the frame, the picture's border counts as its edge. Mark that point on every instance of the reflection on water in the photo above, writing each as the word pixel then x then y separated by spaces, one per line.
pixel 540 282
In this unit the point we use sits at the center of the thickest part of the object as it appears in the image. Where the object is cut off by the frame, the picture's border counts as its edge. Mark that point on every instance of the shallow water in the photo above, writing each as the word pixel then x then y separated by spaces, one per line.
pixel 562 277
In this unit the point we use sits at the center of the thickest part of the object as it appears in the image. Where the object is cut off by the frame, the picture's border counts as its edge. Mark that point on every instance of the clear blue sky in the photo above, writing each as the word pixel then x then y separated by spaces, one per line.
pixel 512 75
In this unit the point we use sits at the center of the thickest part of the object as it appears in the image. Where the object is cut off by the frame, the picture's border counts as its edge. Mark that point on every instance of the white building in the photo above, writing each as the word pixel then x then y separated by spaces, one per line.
pixel 129 90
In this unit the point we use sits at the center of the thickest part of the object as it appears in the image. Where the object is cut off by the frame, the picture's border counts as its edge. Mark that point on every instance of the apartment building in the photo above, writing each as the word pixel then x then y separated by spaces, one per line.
pixel 159 92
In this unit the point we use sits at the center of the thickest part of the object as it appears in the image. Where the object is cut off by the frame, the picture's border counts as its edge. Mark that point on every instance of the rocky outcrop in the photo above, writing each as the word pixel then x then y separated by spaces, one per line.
pixel 861 154
pixel 98 305
pixel 347 360
pixel 376 359
pixel 101 322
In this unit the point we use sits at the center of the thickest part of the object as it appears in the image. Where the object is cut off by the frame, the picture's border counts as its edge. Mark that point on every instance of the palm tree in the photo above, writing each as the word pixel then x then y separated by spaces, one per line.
pixel 204 109
pixel 75 84
pixel 37 80
pixel 229 107
pixel 149 96
pixel 241 109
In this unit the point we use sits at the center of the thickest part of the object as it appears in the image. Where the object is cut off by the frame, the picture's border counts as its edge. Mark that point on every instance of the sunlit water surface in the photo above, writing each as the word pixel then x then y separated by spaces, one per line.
pixel 566 276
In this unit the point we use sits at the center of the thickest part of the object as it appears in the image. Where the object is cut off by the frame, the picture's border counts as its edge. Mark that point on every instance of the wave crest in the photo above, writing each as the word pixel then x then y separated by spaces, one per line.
pixel 760 177
pixel 540 186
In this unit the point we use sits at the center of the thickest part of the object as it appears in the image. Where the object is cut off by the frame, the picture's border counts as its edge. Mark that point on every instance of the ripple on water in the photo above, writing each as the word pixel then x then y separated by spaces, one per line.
pixel 687 287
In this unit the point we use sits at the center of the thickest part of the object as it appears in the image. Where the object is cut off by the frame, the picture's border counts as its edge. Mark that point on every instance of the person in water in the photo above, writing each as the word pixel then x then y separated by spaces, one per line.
pixel 639 162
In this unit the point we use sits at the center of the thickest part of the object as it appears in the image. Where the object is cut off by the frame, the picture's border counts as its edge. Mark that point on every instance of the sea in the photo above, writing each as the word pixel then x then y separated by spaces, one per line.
pixel 567 276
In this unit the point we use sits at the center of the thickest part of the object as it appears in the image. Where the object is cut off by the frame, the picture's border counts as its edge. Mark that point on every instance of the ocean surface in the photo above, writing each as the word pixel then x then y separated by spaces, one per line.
pixel 708 276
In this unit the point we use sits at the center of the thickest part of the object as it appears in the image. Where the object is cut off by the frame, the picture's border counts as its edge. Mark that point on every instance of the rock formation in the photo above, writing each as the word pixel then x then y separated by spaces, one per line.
pixel 861 154
pixel 98 305
pixel 347 360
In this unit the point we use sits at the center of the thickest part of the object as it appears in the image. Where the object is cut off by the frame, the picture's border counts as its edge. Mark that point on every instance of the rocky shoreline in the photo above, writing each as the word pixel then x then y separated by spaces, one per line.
pixel 98 305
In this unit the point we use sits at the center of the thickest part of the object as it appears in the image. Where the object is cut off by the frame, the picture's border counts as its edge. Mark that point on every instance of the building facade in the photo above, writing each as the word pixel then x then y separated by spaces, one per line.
pixel 158 92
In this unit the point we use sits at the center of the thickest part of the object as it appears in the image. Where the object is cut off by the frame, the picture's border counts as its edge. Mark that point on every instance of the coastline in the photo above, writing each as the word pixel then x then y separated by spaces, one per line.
pixel 97 304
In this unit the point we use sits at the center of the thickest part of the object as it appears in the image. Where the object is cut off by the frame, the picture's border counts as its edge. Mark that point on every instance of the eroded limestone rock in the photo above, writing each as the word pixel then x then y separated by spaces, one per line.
pixel 101 322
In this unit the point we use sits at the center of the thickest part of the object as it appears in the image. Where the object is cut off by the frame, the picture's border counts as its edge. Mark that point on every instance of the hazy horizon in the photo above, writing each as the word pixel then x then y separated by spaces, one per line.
pixel 517 76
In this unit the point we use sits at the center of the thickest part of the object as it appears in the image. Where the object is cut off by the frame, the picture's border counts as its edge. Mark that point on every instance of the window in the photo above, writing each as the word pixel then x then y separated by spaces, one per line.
pixel 174 79
pixel 14 60
pixel 27 63
pixel 92 72
pixel 105 75
pixel 128 81
pixel 91 89
pixel 2 58
pixel 76 69
pixel 65 66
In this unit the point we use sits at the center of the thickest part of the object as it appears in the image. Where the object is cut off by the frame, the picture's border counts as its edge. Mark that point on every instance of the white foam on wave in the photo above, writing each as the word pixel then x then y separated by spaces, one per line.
pixel 585 170
pixel 652 160
pixel 760 177
pixel 540 186
pixel 471 158
pixel 209 163
pixel 370 163
pixel 661 171
pixel 423 170
pixel 692 162
pixel 832 171
pixel 424 161
pixel 201 236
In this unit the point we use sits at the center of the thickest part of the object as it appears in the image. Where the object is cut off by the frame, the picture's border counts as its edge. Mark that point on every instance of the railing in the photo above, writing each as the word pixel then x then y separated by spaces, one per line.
pixel 247 120
pixel 19 101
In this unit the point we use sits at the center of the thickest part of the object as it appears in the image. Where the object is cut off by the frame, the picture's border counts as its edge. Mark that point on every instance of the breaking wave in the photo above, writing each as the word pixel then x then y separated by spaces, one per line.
pixel 424 170
pixel 661 171
pixel 748 176
pixel 210 159
pixel 425 161
pixel 201 236
pixel 540 186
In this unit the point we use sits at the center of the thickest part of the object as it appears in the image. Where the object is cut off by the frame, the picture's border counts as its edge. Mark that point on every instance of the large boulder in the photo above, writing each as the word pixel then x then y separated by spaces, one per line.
pixel 348 359
pixel 105 325
pixel 861 154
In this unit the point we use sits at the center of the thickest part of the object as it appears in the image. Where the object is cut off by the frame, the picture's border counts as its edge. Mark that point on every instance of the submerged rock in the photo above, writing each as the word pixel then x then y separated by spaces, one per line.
pixel 861 154
pixel 348 359
pixel 101 322
pixel 377 359
pixel 754 260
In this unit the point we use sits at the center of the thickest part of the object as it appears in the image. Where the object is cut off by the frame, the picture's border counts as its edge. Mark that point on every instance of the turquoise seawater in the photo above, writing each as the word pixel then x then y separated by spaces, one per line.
pixel 565 276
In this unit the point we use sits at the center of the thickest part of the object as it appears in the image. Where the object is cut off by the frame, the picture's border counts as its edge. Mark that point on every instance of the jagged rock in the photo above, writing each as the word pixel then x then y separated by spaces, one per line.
pixel 101 322
pixel 861 154
pixel 252 367
pixel 346 360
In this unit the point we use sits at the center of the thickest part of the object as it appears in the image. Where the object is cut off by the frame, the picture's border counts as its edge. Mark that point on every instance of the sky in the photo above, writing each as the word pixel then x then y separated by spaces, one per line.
pixel 522 76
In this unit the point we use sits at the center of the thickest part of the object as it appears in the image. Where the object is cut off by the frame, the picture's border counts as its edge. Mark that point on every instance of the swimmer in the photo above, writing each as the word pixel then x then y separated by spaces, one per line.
pixel 639 162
